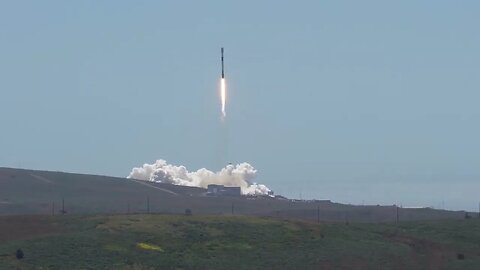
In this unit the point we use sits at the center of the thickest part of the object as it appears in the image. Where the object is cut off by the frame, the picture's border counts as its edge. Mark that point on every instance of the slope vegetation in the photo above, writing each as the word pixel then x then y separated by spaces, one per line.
pixel 238 242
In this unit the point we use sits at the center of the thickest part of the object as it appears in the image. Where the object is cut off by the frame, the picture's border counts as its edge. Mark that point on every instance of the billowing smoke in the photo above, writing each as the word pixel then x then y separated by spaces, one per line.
pixel 240 175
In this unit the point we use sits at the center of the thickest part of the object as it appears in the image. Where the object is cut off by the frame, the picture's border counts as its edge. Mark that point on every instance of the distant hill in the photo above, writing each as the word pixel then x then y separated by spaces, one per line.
pixel 39 192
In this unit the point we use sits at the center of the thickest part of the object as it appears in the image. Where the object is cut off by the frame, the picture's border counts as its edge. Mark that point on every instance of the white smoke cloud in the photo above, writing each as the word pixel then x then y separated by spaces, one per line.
pixel 240 175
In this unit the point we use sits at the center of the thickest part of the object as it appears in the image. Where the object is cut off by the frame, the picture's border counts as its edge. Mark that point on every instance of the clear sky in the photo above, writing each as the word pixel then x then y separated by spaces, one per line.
pixel 355 101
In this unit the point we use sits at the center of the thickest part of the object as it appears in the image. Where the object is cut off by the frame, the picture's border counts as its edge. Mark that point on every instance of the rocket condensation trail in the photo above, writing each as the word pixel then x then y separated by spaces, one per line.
pixel 223 90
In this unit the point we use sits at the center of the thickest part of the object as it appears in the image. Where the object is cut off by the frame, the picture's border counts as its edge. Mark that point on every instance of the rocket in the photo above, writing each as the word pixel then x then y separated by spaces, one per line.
pixel 223 74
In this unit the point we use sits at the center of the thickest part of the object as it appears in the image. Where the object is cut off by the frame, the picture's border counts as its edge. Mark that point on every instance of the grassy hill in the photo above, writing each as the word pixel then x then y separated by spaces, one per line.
pixel 27 192
pixel 238 242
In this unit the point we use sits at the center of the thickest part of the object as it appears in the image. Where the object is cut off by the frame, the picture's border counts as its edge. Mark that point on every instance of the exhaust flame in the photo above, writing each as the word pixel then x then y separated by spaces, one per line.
pixel 223 96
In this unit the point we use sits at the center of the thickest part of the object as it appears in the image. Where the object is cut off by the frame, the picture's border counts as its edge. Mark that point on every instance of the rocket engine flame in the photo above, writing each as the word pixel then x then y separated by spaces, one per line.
pixel 223 90
pixel 223 96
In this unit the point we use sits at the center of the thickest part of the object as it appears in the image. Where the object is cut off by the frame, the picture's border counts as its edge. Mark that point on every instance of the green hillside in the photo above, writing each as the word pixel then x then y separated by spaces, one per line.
pixel 238 242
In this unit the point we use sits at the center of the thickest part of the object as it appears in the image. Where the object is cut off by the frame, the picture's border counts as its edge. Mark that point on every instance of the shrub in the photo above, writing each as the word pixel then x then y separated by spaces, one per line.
pixel 19 254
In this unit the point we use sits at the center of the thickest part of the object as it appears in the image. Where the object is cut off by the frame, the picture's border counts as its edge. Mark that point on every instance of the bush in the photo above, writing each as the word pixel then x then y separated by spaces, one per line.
pixel 19 254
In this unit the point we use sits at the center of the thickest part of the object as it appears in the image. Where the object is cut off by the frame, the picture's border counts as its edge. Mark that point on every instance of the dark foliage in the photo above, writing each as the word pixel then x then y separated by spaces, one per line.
pixel 19 254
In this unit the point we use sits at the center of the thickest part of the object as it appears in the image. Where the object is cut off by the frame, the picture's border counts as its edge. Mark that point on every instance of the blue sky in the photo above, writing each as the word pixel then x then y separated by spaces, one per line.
pixel 354 101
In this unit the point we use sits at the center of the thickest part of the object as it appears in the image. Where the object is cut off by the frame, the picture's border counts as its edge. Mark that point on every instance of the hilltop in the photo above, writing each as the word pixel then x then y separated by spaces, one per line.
pixel 41 193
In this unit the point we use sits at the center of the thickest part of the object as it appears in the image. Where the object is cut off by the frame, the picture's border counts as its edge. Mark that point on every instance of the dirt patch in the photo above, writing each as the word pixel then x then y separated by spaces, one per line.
pixel 152 186
pixel 41 178
pixel 25 227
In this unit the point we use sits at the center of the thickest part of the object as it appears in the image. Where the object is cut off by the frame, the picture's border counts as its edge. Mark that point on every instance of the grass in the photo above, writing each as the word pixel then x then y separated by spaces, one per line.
pixel 237 242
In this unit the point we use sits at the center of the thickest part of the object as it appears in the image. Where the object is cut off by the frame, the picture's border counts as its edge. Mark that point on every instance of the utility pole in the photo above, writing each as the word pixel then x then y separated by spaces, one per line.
pixel 318 213
pixel 396 206
pixel 148 204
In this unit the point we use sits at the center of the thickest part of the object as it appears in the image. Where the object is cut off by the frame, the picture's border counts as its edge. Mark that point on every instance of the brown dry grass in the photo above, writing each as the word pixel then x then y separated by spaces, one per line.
pixel 25 227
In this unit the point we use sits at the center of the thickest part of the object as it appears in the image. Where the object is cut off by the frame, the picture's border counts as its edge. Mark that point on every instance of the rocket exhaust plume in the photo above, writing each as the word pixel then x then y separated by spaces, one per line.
pixel 240 175
pixel 223 90
pixel 223 96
